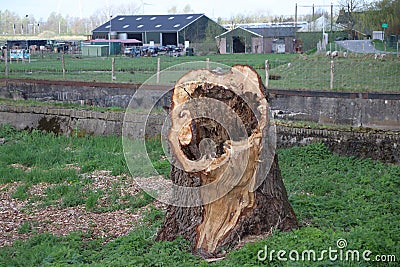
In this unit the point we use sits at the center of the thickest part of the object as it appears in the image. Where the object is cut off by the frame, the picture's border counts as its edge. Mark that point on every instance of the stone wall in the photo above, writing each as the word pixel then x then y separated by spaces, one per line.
pixel 378 145
pixel 81 122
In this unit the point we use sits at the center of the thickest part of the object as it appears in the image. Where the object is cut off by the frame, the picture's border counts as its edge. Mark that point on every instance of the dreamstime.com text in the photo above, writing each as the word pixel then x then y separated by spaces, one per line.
pixel 338 253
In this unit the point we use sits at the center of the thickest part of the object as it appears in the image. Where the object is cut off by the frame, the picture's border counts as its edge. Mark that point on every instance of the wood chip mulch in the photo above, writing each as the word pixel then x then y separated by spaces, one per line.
pixel 14 213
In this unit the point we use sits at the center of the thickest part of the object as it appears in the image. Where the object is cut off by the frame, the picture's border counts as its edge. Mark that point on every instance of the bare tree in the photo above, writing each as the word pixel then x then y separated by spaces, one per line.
pixel 352 5
pixel 173 10
pixel 186 9
pixel 127 9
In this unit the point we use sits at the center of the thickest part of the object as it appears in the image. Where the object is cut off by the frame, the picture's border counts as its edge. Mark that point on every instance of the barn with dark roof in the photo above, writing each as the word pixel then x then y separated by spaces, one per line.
pixel 160 29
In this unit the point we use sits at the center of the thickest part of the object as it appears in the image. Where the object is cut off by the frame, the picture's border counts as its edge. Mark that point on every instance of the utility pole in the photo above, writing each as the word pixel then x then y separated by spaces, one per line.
pixel 109 37
pixel 26 32
pixel 313 12
pixel 331 18
pixel 295 23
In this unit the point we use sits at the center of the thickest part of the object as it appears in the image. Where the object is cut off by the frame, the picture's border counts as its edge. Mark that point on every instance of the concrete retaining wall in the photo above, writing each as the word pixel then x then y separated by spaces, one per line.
pixel 376 110
pixel 383 146
pixel 373 110
pixel 88 93
pixel 81 122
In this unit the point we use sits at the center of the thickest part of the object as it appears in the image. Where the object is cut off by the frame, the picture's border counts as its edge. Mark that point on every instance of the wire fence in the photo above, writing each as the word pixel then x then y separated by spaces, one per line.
pixel 363 74
pixel 350 72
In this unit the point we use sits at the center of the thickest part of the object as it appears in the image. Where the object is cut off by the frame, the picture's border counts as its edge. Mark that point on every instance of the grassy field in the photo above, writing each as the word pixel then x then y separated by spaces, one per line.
pixel 132 70
pixel 85 181
pixel 380 45
pixel 354 73
pixel 306 72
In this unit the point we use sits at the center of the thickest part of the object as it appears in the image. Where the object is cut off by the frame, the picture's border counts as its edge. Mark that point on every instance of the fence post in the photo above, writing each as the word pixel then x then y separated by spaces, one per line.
pixel 332 71
pixel 266 73
pixel 63 65
pixel 208 63
pixel 113 69
pixel 158 69
pixel 5 62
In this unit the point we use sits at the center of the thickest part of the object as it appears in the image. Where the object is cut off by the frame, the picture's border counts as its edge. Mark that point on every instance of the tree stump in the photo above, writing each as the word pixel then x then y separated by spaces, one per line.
pixel 223 151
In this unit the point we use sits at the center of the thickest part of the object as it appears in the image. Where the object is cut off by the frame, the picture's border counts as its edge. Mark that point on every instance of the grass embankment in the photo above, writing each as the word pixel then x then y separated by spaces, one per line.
pixel 306 72
pixel 127 69
pixel 334 197
pixel 58 104
pixel 361 73
pixel 384 46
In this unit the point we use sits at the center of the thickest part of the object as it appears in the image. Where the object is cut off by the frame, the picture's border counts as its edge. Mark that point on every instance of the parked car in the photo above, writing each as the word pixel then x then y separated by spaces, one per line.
pixel 149 50
pixel 132 51
pixel 128 51
pixel 152 49
pixel 173 48
pixel 161 49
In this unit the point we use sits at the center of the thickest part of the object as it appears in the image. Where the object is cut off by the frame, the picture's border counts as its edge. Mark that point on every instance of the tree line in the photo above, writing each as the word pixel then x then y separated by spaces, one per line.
pixel 380 12
pixel 368 16
pixel 57 24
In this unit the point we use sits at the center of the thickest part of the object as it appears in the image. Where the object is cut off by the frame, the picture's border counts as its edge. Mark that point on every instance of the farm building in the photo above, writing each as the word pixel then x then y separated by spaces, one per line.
pixel 114 46
pixel 160 29
pixel 257 40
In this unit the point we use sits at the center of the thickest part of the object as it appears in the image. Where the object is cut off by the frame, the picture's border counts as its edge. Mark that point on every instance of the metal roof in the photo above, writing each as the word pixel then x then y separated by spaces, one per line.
pixel 275 31
pixel 148 23
pixel 123 41
pixel 239 28
pixel 269 32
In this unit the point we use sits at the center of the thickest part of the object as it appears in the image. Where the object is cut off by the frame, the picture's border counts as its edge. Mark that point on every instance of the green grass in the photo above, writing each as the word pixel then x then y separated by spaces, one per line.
pixel 355 73
pixel 333 197
pixel 64 162
pixel 380 45
pixel 35 103
pixel 127 70
pixel 307 72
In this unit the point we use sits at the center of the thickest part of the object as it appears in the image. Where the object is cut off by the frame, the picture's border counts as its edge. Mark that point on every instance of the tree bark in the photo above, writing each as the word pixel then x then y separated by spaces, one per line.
pixel 221 142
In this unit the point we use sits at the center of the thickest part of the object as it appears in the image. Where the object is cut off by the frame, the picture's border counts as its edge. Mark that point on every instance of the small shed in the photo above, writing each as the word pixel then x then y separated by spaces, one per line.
pixel 277 39
pixel 117 45
pixel 258 40
pixel 95 50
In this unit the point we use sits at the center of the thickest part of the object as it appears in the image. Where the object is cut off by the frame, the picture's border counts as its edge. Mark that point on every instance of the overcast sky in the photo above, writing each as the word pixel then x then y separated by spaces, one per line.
pixel 211 8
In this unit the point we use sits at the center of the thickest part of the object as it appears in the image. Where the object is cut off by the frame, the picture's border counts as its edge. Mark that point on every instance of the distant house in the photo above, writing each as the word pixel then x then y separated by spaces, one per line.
pixel 322 24
pixel 350 22
pixel 257 40
pixel 159 29
pixel 345 19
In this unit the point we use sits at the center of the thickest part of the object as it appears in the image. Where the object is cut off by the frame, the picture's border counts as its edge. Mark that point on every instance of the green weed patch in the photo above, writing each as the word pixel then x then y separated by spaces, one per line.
pixel 334 197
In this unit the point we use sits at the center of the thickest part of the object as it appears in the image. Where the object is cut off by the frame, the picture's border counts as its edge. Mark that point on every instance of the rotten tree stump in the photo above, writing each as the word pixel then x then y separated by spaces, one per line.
pixel 221 142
